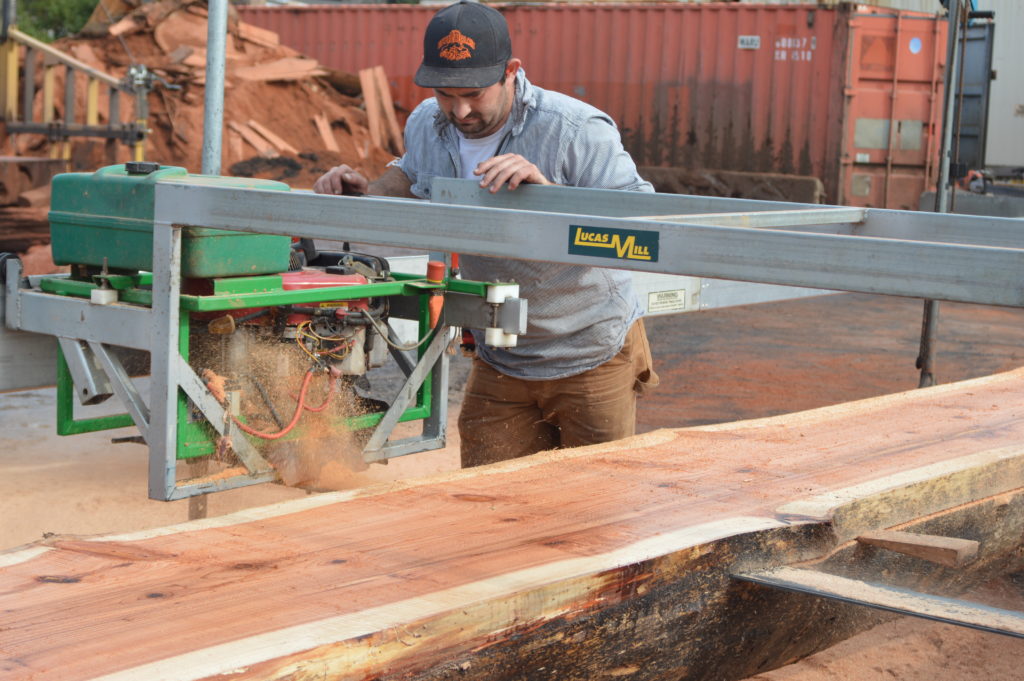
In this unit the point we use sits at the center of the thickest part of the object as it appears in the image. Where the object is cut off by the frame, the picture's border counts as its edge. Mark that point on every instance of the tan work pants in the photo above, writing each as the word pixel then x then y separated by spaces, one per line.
pixel 505 418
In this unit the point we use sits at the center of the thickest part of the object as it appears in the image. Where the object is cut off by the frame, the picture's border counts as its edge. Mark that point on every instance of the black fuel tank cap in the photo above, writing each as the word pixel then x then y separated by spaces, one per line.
pixel 141 167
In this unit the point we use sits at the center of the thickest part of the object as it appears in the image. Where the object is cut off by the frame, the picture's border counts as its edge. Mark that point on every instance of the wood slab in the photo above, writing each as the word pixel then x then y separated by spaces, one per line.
pixel 605 561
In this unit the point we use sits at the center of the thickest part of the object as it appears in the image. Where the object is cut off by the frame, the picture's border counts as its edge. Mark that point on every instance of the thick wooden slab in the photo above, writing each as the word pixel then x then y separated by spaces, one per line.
pixel 605 558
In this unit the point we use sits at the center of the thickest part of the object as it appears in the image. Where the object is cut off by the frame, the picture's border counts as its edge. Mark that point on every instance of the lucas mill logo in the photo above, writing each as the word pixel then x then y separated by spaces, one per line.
pixel 621 244
pixel 456 46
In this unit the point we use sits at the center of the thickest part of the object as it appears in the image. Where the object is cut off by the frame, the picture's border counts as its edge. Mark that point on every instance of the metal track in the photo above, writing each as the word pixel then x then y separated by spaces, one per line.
pixel 890 598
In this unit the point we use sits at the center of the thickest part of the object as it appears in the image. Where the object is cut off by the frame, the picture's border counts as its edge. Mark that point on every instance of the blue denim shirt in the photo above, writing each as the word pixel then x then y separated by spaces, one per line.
pixel 578 316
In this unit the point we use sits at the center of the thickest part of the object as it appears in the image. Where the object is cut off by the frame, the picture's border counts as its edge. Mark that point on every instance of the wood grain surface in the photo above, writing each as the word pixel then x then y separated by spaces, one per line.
pixel 408 578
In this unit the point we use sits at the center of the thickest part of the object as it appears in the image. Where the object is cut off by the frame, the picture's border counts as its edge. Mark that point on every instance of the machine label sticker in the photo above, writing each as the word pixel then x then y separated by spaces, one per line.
pixel 666 301
pixel 621 244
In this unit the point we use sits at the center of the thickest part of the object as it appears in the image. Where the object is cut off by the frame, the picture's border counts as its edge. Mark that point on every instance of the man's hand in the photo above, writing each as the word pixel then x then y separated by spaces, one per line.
pixel 510 169
pixel 341 179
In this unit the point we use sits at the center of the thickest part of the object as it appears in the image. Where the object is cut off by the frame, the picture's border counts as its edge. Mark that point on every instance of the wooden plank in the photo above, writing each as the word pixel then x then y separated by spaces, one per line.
pixel 257 142
pixel 324 128
pixel 235 148
pixel 36 197
pixel 288 68
pixel 394 132
pixel 948 551
pixel 258 35
pixel 371 102
pixel 584 561
pixel 281 145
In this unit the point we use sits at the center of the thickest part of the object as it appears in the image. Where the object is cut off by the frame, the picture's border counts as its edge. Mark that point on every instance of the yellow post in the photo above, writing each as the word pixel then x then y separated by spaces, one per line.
pixel 9 80
pixel 92 103
pixel 49 85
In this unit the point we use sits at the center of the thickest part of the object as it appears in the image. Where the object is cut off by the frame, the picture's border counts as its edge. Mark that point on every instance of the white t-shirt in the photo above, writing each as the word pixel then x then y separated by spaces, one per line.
pixel 476 151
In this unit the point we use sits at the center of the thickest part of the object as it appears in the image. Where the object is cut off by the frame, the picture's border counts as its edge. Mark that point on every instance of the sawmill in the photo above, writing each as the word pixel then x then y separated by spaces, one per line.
pixel 226 330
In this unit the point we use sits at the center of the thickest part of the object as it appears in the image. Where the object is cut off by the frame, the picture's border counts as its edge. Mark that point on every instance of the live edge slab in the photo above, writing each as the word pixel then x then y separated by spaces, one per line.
pixel 611 561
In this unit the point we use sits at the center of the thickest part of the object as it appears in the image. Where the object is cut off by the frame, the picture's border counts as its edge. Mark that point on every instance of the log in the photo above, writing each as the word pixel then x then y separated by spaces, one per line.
pixel 606 561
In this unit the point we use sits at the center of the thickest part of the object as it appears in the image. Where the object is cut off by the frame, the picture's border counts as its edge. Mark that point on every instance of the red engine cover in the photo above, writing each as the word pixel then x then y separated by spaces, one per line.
pixel 312 279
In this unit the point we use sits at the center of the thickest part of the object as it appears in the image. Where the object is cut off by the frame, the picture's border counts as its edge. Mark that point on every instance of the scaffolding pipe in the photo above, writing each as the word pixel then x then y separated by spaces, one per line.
pixel 930 322
pixel 213 113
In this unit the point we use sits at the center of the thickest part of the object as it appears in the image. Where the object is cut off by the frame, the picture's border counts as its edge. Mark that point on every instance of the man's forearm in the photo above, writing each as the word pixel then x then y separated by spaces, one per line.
pixel 392 183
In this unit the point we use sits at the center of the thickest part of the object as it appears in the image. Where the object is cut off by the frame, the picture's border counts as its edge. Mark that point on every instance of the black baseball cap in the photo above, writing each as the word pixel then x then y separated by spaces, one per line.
pixel 466 45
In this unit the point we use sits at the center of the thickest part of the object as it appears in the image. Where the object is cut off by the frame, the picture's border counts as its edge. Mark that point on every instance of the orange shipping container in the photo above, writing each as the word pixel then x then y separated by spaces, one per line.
pixel 852 96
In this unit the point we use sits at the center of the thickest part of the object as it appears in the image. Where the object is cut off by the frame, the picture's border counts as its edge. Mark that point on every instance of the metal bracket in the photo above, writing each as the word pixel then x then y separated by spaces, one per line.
pixel 433 358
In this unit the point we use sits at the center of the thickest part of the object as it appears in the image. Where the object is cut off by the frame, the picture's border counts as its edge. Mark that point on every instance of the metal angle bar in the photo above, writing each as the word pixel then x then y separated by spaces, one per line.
pixel 406 396
pixel 890 598
pixel 90 381
pixel 123 387
pixel 218 417
pixel 917 269
pixel 768 219
pixel 124 325
pixel 163 460
pixel 412 445
pixel 186 489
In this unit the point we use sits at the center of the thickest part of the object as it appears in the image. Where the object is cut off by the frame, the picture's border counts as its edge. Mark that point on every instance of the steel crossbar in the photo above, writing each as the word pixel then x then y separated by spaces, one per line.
pixel 902 253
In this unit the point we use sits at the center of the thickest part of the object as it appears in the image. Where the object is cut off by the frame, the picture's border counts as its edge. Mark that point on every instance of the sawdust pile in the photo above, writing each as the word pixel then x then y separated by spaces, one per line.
pixel 269 88
pixel 319 453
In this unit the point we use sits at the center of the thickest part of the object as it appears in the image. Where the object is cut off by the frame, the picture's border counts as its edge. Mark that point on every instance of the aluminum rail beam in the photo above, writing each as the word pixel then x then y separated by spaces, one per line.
pixel 893 224
pixel 890 598
pixel 918 269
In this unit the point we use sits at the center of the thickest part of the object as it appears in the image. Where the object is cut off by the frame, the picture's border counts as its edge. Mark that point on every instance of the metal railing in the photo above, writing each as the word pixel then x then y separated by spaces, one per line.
pixel 59 130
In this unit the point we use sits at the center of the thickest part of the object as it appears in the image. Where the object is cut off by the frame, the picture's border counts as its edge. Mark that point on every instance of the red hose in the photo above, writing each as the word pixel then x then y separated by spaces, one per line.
pixel 295 417
pixel 330 394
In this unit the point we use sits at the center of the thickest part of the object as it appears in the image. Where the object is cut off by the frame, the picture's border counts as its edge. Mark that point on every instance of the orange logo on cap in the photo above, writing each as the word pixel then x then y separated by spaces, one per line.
pixel 456 46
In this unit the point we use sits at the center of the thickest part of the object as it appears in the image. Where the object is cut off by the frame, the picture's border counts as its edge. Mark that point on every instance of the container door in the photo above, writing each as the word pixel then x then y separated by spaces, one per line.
pixel 894 109
pixel 971 117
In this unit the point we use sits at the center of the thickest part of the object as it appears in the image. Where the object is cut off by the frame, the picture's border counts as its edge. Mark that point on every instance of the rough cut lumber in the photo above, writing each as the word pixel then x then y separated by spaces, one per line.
pixel 260 36
pixel 269 135
pixel 387 105
pixel 371 101
pixel 324 128
pixel 948 551
pixel 288 68
pixel 39 196
pixel 599 562
pixel 257 142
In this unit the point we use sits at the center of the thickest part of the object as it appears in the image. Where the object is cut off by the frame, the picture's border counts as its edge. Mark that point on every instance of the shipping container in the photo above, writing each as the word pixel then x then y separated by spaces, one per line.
pixel 851 95
pixel 1005 138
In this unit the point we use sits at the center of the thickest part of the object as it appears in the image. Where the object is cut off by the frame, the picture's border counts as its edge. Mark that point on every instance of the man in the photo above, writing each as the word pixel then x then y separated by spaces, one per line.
pixel 574 377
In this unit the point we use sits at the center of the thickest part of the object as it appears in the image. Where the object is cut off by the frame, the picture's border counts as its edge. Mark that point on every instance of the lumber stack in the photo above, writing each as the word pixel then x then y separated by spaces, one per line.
pixel 271 94
pixel 606 561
